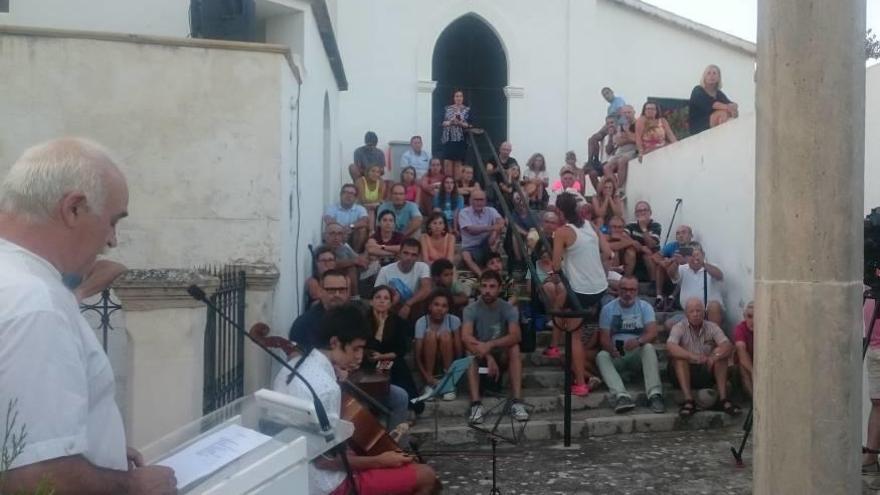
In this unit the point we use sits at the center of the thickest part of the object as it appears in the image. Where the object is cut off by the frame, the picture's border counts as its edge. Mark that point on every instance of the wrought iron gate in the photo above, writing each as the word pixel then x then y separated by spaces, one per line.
pixel 224 345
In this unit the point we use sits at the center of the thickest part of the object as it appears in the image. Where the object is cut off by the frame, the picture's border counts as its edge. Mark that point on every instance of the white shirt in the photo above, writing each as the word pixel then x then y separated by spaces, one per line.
pixel 406 284
pixel 420 162
pixel 692 285
pixel 318 370
pixel 52 363
pixel 582 263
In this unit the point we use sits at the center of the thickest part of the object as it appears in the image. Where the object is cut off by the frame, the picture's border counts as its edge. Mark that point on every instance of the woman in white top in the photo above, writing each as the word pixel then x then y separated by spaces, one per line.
pixel 579 250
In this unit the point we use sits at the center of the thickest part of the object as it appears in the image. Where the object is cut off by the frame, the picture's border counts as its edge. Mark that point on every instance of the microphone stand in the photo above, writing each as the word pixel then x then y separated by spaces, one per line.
pixel 198 294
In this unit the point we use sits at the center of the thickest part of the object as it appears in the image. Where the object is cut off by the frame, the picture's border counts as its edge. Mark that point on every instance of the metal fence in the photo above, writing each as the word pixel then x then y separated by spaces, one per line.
pixel 224 345
pixel 103 308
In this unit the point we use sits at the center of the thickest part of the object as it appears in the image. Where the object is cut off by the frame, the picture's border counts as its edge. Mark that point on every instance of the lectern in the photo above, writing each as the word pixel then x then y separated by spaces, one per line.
pixel 259 444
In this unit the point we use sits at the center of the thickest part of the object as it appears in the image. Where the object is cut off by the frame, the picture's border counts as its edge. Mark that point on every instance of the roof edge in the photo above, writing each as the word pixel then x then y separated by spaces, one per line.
pixel 328 39
pixel 689 25
pixel 153 40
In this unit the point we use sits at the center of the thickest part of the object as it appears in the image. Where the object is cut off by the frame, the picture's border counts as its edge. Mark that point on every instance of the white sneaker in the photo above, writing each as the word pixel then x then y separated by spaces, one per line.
pixel 476 415
pixel 449 396
pixel 518 411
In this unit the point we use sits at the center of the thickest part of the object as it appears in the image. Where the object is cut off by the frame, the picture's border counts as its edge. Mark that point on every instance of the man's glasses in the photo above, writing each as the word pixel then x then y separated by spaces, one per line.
pixel 335 290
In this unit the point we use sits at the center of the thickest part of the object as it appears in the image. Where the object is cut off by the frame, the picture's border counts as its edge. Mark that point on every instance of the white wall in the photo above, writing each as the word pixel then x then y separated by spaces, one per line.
pixel 714 175
pixel 305 185
pixel 196 131
pixel 561 55
pixel 872 137
pixel 156 17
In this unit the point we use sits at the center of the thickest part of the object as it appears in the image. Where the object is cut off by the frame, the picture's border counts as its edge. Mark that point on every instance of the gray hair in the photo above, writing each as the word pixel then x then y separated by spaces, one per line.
pixel 45 173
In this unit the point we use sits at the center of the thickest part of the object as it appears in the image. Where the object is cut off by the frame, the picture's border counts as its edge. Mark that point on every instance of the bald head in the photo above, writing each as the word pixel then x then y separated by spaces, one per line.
pixel 62 200
pixel 47 172
pixel 694 310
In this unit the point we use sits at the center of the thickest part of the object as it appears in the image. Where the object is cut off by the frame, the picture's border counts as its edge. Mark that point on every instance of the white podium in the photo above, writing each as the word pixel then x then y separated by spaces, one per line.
pixel 255 445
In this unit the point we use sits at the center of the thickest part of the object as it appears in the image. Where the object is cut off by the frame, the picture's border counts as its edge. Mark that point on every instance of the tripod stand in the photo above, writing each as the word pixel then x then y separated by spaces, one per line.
pixel 516 429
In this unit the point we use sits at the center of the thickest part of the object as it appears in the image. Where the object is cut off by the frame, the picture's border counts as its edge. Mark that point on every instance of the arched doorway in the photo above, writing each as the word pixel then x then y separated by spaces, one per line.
pixel 468 55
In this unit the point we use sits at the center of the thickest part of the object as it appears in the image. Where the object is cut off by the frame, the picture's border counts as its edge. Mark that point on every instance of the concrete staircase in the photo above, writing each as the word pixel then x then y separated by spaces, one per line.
pixel 444 423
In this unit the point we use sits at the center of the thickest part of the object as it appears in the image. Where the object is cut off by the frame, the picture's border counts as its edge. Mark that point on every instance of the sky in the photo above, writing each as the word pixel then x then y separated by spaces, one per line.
pixel 738 17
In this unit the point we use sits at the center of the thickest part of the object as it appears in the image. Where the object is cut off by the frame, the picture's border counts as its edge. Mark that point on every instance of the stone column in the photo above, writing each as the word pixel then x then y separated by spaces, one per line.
pixel 166 329
pixel 809 195
pixel 425 112
pixel 261 281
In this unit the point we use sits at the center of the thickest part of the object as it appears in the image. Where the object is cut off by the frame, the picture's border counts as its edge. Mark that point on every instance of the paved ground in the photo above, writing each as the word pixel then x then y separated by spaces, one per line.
pixel 676 462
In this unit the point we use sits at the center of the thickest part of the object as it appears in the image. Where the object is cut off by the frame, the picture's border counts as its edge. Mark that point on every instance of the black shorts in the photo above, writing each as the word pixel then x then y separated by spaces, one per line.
pixel 591 303
pixel 455 151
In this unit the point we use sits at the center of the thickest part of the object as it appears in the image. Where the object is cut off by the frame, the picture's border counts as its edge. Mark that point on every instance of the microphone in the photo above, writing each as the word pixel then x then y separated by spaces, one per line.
pixel 199 295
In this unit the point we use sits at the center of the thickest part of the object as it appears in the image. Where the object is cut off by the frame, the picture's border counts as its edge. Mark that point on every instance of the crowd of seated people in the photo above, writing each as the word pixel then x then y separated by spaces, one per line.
pixel 428 251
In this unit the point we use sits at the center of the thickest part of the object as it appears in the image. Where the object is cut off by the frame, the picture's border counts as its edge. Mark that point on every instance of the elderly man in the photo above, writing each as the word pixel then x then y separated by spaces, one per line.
pixel 684 237
pixel 481 231
pixel 699 279
pixel 416 157
pixel 698 352
pixel 646 232
pixel 59 207
pixel 407 217
pixel 627 333
pixel 352 216
pixel 347 261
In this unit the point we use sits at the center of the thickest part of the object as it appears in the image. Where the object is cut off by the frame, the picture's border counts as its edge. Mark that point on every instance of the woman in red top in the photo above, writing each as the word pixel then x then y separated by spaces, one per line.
pixel 408 179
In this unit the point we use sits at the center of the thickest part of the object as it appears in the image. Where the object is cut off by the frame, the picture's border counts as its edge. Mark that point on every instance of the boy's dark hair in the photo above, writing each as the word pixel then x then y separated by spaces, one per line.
pixel 440 266
pixel 347 323
pixel 410 242
pixel 439 292
pixel 493 255
pixel 491 275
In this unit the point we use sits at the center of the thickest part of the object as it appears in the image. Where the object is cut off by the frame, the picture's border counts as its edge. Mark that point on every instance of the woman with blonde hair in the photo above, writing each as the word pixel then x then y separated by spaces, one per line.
pixel 709 106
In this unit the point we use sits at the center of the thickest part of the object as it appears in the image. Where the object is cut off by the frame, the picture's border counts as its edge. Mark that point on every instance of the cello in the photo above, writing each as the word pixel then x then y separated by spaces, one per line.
pixel 369 437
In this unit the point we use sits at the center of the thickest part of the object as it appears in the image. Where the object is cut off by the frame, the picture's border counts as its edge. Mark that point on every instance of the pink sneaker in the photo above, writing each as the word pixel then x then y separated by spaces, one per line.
pixel 552 352
pixel 580 390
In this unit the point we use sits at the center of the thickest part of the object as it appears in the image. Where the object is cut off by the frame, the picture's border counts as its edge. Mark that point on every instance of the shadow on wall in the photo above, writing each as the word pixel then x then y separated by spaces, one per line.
pixel 714 174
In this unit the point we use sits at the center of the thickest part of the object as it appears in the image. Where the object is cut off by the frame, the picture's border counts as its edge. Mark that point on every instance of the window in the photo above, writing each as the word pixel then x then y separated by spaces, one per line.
pixel 4 6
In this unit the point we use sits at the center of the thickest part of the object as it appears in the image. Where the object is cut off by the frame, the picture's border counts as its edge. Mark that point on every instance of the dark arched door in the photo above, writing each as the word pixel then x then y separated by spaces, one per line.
pixel 469 56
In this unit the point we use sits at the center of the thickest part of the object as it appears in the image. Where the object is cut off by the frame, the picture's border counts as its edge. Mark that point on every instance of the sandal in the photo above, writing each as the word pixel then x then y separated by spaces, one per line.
pixel 687 409
pixel 659 302
pixel 730 408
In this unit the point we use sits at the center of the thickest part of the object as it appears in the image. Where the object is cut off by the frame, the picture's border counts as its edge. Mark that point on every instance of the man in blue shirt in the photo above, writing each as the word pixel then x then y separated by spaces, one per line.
pixel 615 103
pixel 349 214
pixel 684 238
pixel 416 157
pixel 627 332
pixel 407 217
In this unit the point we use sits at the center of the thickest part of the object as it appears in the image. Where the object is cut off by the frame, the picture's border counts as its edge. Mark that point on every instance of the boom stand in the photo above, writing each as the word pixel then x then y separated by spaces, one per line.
pixel 516 432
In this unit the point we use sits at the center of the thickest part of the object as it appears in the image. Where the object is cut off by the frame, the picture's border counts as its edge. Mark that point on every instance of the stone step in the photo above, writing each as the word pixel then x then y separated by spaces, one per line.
pixel 538 359
pixel 549 400
pixel 543 337
pixel 585 424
